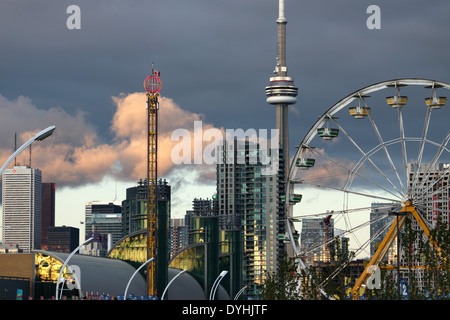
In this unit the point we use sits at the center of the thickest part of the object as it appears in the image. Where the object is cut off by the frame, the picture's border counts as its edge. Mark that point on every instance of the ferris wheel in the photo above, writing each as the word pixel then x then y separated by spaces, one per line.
pixel 379 154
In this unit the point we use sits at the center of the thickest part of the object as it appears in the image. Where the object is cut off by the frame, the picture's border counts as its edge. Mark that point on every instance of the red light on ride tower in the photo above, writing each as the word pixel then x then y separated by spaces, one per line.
pixel 152 84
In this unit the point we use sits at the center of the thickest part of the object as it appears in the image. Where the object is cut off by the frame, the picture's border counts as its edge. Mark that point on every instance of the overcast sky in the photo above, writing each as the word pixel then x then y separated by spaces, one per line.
pixel 215 59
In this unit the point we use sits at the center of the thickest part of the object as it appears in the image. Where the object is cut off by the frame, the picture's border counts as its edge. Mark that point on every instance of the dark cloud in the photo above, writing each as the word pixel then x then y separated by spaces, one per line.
pixel 215 57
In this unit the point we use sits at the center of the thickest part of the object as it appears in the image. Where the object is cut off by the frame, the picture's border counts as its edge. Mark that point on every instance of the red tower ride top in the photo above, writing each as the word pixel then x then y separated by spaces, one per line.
pixel 152 83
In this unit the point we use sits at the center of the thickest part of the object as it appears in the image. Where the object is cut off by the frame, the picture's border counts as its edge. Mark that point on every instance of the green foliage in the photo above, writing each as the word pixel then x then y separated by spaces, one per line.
pixel 428 268
pixel 427 271
pixel 282 285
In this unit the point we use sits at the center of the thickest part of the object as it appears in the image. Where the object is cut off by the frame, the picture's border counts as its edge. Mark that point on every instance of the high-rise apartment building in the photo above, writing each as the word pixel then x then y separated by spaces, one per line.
pixel 204 207
pixel 22 205
pixel 248 199
pixel 432 182
pixel 179 238
pixel 430 185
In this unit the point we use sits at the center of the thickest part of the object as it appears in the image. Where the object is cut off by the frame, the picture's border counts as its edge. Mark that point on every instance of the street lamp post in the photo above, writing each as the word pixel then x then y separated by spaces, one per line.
pixel 67 261
pixel 137 270
pixel 170 282
pixel 239 293
pixel 216 284
pixel 39 137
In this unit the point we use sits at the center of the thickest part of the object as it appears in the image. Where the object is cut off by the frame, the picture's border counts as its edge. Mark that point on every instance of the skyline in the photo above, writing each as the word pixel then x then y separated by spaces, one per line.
pixel 88 82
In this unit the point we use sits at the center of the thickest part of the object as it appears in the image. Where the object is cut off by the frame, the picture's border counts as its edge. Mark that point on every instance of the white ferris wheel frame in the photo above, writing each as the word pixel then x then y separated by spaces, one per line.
pixel 326 116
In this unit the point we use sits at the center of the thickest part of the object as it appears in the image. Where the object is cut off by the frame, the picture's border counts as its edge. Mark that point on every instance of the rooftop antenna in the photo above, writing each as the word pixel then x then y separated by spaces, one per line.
pixel 115 191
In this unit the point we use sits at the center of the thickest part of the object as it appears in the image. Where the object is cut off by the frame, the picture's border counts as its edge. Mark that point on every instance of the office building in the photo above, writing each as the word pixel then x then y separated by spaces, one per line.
pixel 134 207
pixel 313 238
pixel 379 215
pixel 63 239
pixel 48 211
pixel 134 221
pixel 200 208
pixel 211 251
pixel 22 205
pixel 103 218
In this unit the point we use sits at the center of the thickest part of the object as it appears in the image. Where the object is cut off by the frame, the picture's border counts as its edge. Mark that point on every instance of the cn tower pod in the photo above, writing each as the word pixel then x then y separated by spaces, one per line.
pixel 282 90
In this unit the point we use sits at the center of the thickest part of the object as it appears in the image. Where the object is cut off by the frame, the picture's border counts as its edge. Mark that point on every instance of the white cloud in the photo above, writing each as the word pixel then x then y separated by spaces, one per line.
pixel 87 169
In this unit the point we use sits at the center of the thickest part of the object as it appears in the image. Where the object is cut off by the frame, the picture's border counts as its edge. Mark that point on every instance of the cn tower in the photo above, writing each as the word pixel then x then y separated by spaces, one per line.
pixel 282 90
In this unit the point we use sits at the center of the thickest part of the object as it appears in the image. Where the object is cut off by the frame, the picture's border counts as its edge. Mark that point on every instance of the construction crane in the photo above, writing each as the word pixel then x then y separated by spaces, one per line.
pixel 152 85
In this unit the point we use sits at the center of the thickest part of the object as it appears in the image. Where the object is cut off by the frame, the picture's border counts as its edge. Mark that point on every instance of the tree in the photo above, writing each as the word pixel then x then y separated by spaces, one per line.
pixel 426 269
pixel 283 284
pixel 437 272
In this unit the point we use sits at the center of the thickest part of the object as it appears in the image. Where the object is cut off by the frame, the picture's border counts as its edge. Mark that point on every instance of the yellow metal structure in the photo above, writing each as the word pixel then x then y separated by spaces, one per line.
pixel 152 111
pixel 407 209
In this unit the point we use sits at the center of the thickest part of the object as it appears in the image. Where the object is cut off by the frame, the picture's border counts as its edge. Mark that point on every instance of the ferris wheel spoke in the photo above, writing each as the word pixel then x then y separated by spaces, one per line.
pixel 430 203
pixel 388 156
pixel 434 192
pixel 403 140
pixel 422 213
pixel 441 149
pixel 337 212
pixel 366 156
pixel 349 231
pixel 359 250
pixel 422 147
pixel 346 233
pixel 347 191
pixel 435 181
pixel 427 209
pixel 352 172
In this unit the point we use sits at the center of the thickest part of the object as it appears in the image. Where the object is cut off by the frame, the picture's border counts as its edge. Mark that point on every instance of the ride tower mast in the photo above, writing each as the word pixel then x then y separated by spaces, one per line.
pixel 152 85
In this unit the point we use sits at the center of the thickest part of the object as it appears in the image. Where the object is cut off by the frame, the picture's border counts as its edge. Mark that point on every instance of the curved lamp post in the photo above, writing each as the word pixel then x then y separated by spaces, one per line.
pixel 170 282
pixel 66 262
pixel 239 293
pixel 129 281
pixel 216 284
pixel 39 137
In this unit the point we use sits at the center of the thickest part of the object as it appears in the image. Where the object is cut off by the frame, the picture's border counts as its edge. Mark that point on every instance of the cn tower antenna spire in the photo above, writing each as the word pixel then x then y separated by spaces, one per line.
pixel 281 17
pixel 282 90
pixel 281 69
